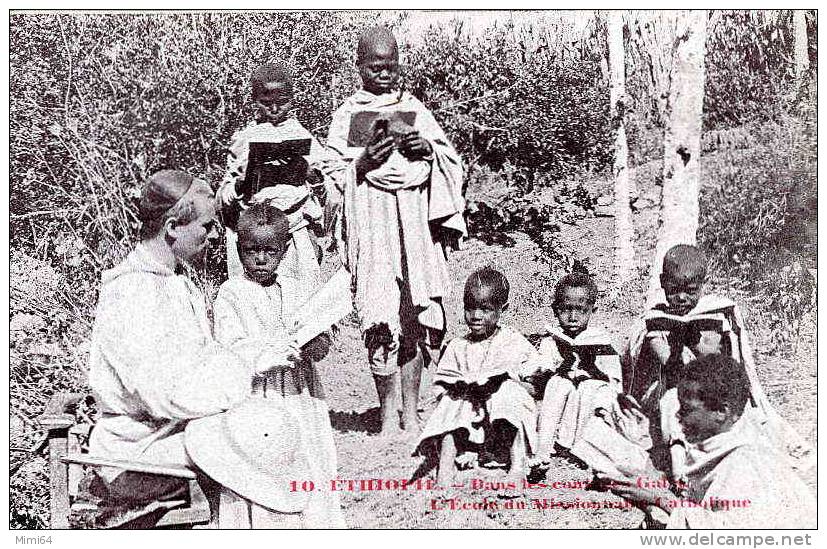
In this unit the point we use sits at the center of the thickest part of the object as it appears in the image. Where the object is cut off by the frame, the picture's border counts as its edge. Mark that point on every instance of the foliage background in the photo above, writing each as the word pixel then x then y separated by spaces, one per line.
pixel 98 102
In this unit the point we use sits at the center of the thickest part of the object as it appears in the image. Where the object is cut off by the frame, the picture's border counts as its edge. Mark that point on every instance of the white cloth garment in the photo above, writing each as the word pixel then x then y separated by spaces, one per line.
pixel 246 311
pixel 153 363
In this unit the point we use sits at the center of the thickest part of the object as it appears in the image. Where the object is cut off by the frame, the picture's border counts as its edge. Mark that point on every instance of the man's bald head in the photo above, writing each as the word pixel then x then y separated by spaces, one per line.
pixel 685 263
pixel 376 43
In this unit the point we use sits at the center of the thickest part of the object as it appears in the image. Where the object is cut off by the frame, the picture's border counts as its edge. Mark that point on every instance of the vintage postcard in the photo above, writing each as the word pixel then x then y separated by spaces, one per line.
pixel 413 270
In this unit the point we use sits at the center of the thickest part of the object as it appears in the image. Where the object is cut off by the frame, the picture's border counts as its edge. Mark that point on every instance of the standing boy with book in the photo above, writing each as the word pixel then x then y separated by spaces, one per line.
pixel 274 159
pixel 402 206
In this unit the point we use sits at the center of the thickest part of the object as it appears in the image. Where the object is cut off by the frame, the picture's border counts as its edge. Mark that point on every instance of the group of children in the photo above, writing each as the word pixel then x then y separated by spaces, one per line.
pixel 681 402
pixel 393 204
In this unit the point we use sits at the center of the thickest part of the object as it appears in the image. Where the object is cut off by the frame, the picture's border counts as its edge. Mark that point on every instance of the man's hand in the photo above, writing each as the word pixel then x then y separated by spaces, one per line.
pixel 316 349
pixel 630 489
pixel 413 146
pixel 374 155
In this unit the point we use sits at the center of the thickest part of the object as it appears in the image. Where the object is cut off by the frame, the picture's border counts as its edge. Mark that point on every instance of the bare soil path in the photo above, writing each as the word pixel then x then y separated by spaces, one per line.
pixel 480 501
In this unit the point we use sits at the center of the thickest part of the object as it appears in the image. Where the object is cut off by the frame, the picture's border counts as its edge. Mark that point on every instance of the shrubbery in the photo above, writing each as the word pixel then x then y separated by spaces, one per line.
pixel 503 100
pixel 98 102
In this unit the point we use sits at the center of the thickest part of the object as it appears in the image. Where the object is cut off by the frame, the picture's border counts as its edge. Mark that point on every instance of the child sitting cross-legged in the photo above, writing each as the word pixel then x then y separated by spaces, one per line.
pixel 583 413
pixel 258 306
pixel 482 405
pixel 684 325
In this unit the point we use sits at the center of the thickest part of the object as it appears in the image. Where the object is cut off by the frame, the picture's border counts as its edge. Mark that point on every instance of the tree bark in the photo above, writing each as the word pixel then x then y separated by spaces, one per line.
pixel 624 227
pixel 682 142
pixel 802 57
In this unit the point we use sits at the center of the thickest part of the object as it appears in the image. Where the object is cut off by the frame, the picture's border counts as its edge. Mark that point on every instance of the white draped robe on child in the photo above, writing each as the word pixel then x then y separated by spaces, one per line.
pixel 247 312
pixel 395 225
pixel 664 403
pixel 505 350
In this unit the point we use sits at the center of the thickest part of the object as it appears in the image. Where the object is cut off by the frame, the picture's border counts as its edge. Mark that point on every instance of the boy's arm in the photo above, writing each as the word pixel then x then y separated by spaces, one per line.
pixel 237 157
pixel 232 331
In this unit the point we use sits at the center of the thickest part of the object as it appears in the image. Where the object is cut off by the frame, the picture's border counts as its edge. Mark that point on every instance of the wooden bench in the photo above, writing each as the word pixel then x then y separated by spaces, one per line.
pixel 69 465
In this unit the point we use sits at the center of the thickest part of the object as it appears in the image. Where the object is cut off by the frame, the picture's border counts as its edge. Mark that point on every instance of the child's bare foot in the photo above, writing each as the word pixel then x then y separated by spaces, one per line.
pixel 537 469
pixel 390 424
pixel 467 460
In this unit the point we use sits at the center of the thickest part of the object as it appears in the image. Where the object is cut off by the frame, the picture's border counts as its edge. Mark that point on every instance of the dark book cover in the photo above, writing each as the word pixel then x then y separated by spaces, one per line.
pixel 363 124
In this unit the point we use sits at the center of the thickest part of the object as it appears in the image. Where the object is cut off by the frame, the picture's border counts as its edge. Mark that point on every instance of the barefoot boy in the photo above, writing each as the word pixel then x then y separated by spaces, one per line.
pixel 402 205
pixel 584 387
pixel 655 359
pixel 481 399
pixel 735 479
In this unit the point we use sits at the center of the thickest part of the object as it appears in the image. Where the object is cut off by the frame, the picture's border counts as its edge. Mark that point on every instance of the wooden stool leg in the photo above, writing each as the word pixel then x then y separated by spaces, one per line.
pixel 58 484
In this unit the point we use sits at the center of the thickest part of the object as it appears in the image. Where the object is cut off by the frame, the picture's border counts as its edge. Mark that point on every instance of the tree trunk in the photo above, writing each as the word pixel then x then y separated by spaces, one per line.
pixel 802 56
pixel 624 228
pixel 682 142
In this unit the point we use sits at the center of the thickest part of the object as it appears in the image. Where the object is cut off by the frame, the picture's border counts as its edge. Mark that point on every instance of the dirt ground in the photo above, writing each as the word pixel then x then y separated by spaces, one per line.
pixel 480 501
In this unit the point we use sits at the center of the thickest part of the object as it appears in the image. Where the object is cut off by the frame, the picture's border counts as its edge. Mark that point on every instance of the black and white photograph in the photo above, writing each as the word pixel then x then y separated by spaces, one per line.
pixel 413 269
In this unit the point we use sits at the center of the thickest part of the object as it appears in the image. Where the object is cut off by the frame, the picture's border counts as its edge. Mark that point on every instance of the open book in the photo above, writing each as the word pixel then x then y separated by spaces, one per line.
pixel 456 378
pixel 330 304
pixel 365 124
pixel 567 344
pixel 272 163
pixel 660 321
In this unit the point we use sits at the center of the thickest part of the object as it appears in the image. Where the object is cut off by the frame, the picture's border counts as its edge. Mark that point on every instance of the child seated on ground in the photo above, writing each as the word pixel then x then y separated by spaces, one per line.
pixel 684 326
pixel 482 404
pixel 259 306
pixel 586 381
pixel 295 184
pixel 735 478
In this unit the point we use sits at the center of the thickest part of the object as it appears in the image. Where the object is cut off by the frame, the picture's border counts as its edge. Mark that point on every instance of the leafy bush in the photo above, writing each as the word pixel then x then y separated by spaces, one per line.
pixel 507 100
pixel 522 209
pixel 758 226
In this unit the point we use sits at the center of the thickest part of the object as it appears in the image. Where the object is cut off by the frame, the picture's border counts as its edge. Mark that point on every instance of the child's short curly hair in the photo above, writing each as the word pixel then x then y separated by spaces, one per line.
pixel 273 71
pixel 262 214
pixel 721 381
pixel 576 280
pixel 489 278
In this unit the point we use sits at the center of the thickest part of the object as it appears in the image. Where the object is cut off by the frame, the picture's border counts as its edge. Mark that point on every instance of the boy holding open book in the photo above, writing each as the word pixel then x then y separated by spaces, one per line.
pixel 274 159
pixel 267 307
pixel 583 412
pixel 402 207
pixel 684 326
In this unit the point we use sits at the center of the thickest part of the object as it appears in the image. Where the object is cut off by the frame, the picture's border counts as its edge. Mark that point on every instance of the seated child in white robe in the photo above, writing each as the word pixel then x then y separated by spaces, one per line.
pixel 297 186
pixel 586 381
pixel 735 478
pixel 655 359
pixel 258 306
pixel 481 399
